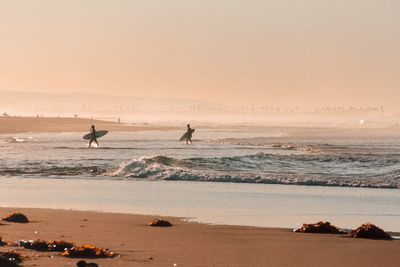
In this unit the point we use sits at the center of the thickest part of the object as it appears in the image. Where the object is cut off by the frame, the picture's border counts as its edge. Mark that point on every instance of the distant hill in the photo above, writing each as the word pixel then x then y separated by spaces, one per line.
pixel 80 103
pixel 172 110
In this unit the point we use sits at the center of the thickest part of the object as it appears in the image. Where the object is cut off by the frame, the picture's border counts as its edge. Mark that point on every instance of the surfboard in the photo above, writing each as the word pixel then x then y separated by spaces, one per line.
pixel 98 135
pixel 184 136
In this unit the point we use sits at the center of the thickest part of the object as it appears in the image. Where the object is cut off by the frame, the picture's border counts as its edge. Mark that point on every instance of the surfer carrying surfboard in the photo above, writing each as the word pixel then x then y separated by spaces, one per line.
pixel 189 133
pixel 93 137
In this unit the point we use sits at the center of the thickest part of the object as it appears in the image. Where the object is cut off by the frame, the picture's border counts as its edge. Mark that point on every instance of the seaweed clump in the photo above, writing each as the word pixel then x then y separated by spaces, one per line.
pixel 87 251
pixel 320 228
pixel 16 217
pixel 41 245
pixel 160 223
pixel 38 245
pixel 369 231
pixel 59 246
pixel 68 249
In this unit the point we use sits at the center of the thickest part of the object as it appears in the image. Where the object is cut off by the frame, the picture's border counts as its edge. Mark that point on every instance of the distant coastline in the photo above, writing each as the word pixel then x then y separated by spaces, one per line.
pixel 13 125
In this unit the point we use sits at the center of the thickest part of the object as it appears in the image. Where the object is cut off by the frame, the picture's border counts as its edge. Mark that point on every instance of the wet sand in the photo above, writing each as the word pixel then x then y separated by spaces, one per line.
pixel 189 244
pixel 13 125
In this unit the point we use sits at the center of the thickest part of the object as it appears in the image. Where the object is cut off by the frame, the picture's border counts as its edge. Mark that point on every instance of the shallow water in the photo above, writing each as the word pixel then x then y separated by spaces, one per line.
pixel 357 172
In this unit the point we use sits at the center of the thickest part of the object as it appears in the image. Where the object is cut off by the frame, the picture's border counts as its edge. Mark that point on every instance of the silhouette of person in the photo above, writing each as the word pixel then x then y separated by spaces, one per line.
pixel 189 134
pixel 93 138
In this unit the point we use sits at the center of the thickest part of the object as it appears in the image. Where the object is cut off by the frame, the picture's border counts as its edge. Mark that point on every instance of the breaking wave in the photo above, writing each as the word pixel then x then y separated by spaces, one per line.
pixel 351 170
pixel 245 169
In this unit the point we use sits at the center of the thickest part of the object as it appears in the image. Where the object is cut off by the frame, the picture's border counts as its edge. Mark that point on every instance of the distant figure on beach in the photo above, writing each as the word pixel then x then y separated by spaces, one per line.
pixel 188 135
pixel 93 138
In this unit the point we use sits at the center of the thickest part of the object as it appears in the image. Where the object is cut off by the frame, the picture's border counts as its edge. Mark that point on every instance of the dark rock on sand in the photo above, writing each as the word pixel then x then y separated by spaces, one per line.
pixel 86 264
pixel 10 259
pixel 5 262
pixel 320 228
pixel 369 231
pixel 160 223
pixel 16 217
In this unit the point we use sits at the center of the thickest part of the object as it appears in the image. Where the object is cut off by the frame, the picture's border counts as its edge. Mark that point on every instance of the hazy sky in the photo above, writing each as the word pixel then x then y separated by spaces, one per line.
pixel 290 53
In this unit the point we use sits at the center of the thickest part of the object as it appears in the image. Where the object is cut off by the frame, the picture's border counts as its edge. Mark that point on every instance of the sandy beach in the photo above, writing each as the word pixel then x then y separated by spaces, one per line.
pixel 189 244
pixel 12 125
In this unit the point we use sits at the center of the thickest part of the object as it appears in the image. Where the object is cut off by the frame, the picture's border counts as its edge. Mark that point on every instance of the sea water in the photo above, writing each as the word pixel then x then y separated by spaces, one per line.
pixel 259 176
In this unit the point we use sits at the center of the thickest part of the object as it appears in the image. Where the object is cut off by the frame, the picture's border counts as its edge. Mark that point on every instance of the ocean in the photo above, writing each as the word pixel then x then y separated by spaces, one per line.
pixel 239 175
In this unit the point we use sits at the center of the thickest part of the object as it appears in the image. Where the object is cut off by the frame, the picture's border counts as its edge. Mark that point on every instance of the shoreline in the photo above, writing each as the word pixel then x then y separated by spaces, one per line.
pixel 203 202
pixel 186 244
pixel 188 219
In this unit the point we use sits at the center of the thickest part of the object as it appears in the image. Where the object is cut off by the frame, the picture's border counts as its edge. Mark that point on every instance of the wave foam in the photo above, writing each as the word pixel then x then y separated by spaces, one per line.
pixel 165 168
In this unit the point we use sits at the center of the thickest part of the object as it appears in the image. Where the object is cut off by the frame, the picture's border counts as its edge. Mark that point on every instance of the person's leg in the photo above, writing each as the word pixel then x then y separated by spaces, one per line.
pixel 190 140
pixel 90 142
pixel 97 143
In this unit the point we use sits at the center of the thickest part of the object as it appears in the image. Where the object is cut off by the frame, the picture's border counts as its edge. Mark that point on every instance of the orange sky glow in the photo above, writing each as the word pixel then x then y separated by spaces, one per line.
pixel 278 53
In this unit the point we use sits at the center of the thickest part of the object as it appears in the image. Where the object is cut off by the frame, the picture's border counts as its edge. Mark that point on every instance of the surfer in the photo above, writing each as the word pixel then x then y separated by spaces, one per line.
pixel 93 138
pixel 189 134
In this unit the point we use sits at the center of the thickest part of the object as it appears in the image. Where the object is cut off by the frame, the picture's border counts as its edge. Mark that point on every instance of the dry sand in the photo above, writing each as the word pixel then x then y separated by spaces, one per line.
pixel 190 244
pixel 12 125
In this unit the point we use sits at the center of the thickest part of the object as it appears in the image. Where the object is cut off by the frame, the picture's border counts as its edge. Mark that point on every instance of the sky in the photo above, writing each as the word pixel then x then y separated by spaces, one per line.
pixel 275 53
